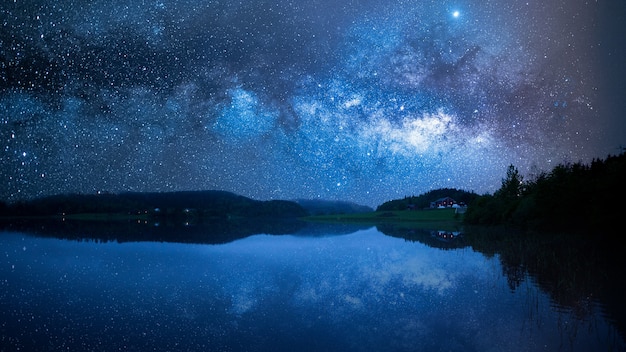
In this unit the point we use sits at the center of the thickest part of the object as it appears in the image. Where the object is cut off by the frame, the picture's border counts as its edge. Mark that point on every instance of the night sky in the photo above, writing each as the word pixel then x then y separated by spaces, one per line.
pixel 359 100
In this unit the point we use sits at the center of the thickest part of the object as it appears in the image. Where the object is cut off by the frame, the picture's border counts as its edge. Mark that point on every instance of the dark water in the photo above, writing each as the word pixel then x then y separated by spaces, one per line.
pixel 360 290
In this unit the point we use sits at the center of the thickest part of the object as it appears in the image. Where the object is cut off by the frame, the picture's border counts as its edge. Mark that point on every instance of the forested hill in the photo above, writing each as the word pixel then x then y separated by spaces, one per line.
pixel 423 201
pixel 569 198
pixel 202 203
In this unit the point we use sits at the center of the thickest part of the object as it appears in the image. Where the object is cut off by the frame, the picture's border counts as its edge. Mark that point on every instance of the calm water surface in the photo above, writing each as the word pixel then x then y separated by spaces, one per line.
pixel 362 291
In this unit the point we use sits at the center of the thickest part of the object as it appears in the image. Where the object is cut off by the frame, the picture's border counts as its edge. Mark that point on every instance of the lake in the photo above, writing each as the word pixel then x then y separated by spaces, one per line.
pixel 314 289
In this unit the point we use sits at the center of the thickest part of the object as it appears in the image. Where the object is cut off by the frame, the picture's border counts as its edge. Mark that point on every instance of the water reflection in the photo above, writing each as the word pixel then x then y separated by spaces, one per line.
pixel 322 289
pixel 578 272
pixel 442 239
pixel 217 231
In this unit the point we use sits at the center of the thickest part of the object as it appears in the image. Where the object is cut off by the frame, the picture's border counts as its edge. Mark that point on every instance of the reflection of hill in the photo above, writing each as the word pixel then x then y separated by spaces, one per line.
pixel 215 231
pixel 209 232
pixel 429 237
pixel 575 271
pixel 315 229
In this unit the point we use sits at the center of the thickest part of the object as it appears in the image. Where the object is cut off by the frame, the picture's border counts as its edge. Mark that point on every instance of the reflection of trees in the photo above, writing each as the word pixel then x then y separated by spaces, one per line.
pixel 515 275
pixel 201 231
pixel 206 232
pixel 431 238
pixel 575 271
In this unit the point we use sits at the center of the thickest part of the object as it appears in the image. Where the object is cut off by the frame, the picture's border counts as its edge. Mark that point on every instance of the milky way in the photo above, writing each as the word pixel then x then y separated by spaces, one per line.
pixel 363 101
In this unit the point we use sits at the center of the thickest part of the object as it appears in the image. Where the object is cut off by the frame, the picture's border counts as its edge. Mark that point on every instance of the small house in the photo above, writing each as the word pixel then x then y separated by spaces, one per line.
pixel 445 202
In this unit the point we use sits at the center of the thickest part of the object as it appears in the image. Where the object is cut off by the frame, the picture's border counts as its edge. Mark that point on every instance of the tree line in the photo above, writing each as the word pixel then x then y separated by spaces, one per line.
pixel 573 196
pixel 423 201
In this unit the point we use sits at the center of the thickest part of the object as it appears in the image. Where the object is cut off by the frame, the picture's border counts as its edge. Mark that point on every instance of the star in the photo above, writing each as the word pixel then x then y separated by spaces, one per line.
pixel 364 103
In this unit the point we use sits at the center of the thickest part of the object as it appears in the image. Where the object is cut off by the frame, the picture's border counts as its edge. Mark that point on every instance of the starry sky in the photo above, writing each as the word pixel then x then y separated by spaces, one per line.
pixel 356 100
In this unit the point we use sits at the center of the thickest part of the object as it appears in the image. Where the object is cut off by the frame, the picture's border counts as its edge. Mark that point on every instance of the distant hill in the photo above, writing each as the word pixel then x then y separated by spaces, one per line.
pixel 196 203
pixel 328 207
pixel 423 201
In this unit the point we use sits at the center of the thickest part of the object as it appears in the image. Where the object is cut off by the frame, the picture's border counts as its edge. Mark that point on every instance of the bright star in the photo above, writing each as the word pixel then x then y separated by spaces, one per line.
pixel 456 14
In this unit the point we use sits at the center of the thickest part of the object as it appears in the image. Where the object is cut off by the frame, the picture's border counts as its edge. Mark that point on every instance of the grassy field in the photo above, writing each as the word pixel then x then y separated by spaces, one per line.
pixel 422 217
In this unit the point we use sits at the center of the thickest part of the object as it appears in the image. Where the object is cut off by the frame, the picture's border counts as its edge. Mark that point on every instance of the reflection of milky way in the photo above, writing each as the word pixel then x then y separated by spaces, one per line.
pixel 357 101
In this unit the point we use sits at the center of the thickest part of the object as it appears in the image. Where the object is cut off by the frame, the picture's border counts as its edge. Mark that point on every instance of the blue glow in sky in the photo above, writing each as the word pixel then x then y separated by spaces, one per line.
pixel 362 101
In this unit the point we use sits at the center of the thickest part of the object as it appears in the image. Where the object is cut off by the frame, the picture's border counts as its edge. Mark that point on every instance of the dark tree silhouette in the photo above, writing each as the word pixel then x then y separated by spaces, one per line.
pixel 511 184
pixel 572 197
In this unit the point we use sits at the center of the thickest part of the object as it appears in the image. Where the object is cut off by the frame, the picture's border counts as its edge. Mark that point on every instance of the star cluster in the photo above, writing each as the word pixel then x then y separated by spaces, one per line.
pixel 360 100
